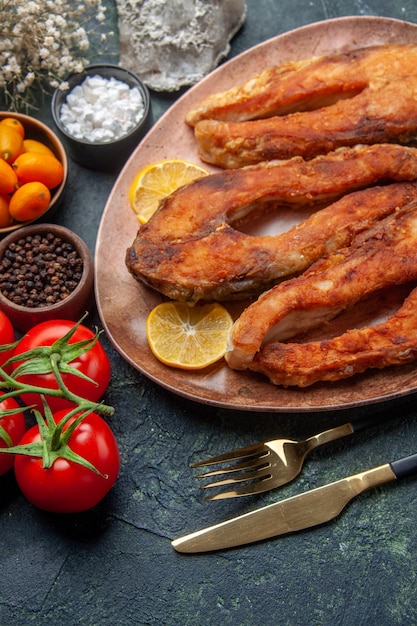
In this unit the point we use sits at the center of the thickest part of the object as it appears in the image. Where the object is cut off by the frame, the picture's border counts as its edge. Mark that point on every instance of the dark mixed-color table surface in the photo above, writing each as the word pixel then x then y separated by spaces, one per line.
pixel 115 565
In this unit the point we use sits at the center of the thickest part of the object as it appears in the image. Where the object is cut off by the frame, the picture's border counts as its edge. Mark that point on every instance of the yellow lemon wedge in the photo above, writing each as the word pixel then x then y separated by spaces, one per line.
pixel 188 337
pixel 156 181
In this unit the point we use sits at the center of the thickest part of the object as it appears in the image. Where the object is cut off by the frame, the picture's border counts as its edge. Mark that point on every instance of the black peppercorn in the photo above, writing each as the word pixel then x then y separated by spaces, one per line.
pixel 40 270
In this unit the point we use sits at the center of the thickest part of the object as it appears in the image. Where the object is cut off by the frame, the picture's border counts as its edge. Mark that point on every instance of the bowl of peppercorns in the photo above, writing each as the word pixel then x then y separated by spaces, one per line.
pixel 46 272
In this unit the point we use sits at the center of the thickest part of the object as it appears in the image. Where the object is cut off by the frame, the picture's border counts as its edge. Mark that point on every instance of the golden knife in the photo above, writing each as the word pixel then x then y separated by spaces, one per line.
pixel 302 511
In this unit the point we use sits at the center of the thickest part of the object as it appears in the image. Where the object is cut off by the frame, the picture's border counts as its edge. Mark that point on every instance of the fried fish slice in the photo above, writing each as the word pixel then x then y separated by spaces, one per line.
pixel 386 111
pixel 190 249
pixel 311 107
pixel 307 84
pixel 378 258
pixel 393 342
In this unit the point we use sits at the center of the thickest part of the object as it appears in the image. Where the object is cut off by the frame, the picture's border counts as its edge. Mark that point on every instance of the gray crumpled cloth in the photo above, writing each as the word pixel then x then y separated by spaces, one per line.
pixel 174 43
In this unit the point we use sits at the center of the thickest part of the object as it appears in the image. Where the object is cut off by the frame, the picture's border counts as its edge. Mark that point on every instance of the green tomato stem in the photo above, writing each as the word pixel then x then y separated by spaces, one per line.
pixel 62 392
pixel 4 435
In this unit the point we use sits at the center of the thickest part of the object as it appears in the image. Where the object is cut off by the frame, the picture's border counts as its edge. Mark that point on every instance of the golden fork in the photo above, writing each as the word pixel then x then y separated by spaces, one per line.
pixel 268 464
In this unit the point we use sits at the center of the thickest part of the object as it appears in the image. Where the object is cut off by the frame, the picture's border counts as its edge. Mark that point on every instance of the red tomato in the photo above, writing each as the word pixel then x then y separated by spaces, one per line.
pixel 67 486
pixel 95 364
pixel 6 336
pixel 15 427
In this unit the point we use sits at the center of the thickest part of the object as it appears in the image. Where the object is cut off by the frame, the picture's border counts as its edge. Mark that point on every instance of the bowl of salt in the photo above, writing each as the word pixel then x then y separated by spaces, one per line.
pixel 101 115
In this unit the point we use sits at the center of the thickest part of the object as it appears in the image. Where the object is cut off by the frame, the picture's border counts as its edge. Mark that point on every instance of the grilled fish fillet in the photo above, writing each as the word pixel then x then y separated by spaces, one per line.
pixel 393 342
pixel 372 105
pixel 190 250
pixel 383 256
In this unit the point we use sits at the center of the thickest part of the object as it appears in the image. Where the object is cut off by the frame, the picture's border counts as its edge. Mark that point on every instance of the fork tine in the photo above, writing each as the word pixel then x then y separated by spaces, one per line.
pixel 249 463
pixel 234 455
pixel 256 474
pixel 258 486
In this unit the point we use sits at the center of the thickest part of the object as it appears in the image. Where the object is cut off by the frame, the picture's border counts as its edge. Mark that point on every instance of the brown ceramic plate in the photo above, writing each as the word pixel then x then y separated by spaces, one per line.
pixel 124 304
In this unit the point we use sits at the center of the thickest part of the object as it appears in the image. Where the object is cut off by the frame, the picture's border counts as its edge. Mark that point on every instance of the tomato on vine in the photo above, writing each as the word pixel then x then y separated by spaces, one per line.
pixel 12 429
pixel 7 336
pixel 70 459
pixel 61 349
pixel 70 464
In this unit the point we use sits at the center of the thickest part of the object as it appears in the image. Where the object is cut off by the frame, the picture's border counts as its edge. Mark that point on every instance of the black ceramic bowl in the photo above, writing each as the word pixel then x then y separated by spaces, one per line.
pixel 103 155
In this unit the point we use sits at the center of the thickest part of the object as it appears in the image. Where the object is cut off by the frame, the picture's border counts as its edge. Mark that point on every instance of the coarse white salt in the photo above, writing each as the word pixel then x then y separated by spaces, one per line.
pixel 102 110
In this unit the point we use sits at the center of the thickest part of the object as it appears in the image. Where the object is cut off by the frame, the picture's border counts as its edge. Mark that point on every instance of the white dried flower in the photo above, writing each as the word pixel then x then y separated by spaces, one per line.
pixel 41 42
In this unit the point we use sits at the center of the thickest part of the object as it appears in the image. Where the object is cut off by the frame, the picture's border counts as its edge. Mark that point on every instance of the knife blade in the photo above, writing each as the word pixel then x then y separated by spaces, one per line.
pixel 299 512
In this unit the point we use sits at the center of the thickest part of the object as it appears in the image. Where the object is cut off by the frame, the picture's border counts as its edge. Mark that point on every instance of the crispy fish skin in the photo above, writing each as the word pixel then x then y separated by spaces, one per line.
pixel 385 112
pixel 189 250
pixel 377 258
pixel 307 84
pixel 393 342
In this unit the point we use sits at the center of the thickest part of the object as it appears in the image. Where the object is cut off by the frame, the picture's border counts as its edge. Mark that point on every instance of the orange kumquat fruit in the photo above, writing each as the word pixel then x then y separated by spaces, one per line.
pixel 8 178
pixel 33 145
pixel 14 123
pixel 43 168
pixel 11 143
pixel 5 217
pixel 29 201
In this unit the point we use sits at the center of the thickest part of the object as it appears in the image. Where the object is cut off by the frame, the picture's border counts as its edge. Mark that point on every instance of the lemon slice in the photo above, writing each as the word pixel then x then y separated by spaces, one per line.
pixel 188 337
pixel 158 180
